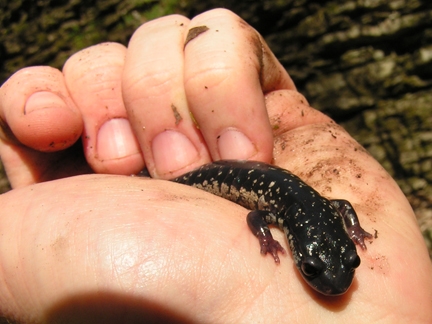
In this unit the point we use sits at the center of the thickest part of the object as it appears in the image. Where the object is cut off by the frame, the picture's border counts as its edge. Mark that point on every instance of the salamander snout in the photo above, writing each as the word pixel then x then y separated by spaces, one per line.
pixel 327 276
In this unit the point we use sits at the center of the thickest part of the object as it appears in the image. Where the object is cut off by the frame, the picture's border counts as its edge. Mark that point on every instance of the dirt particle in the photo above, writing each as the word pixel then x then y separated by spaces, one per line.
pixel 177 116
pixel 195 32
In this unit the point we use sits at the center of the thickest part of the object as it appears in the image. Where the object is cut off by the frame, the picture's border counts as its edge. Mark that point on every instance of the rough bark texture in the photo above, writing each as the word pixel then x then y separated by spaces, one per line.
pixel 367 63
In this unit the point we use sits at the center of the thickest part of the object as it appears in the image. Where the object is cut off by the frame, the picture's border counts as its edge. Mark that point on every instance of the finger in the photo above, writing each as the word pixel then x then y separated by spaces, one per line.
pixel 93 78
pixel 37 115
pixel 228 68
pixel 154 95
pixel 37 109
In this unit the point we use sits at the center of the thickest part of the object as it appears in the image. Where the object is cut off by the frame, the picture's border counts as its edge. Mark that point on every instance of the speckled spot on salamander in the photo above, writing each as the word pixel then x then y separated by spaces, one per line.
pixel 320 232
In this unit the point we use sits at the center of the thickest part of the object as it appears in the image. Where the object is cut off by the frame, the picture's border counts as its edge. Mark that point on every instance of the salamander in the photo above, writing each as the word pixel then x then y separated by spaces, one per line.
pixel 321 233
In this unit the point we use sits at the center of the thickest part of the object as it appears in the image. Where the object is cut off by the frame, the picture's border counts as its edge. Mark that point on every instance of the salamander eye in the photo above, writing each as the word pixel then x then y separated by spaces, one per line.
pixel 354 260
pixel 311 267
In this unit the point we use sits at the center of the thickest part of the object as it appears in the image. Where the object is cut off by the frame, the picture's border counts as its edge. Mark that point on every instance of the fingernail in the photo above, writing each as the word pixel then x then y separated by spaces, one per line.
pixel 116 140
pixel 233 144
pixel 172 151
pixel 43 100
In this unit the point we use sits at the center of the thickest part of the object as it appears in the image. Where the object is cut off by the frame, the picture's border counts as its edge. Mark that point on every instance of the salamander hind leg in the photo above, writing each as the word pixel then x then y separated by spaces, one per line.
pixel 258 226
pixel 352 224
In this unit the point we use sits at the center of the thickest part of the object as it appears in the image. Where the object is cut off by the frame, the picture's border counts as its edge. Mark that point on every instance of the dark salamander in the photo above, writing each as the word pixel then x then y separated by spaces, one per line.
pixel 320 232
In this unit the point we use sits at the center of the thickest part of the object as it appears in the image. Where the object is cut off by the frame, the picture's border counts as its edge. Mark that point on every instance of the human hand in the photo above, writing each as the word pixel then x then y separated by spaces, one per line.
pixel 120 248
pixel 133 107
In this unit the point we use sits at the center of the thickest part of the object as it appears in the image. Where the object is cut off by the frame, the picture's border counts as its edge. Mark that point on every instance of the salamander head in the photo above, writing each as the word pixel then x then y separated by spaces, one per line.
pixel 325 255
pixel 328 277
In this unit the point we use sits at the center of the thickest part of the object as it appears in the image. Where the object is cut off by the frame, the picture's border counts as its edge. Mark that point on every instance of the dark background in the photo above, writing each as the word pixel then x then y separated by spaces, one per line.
pixel 368 64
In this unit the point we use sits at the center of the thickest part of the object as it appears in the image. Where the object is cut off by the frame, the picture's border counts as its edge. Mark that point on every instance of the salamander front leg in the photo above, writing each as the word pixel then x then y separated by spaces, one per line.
pixel 352 224
pixel 258 226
